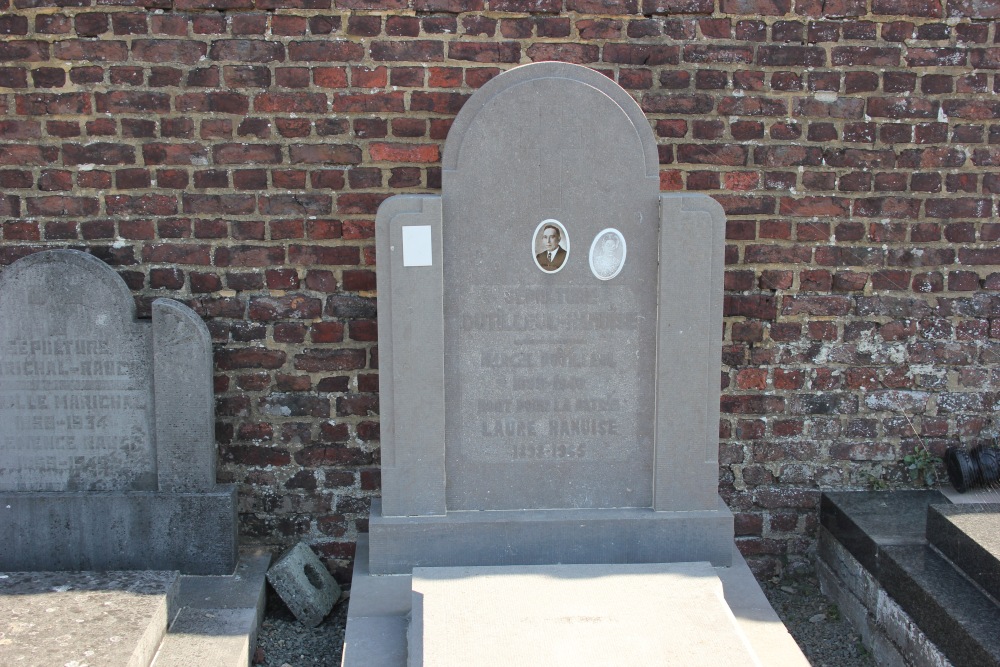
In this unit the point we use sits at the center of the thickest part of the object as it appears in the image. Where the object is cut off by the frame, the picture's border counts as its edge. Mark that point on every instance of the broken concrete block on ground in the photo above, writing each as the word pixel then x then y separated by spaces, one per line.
pixel 304 584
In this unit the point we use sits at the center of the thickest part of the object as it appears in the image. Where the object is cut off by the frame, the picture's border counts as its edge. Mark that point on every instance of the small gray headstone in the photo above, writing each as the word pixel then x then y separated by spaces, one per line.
pixel 106 426
pixel 304 584
pixel 76 403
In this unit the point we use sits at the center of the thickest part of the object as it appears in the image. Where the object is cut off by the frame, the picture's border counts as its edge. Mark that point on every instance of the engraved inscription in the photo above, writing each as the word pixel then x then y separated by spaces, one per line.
pixel 70 415
pixel 75 385
pixel 551 386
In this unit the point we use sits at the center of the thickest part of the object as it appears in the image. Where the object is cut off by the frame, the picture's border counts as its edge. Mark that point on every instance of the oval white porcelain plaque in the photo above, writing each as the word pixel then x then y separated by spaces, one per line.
pixel 607 254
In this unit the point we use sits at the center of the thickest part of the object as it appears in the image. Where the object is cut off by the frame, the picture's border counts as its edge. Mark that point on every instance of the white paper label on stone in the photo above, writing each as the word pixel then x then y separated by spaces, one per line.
pixel 417 246
pixel 607 254
pixel 550 246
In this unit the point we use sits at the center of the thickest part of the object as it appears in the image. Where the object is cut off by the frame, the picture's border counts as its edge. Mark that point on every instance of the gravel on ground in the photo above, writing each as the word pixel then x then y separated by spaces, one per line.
pixel 284 642
pixel 822 632
pixel 825 635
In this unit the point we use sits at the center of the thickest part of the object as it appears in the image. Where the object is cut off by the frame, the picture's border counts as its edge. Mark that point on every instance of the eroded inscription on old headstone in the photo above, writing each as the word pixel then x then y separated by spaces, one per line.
pixel 75 381
pixel 107 451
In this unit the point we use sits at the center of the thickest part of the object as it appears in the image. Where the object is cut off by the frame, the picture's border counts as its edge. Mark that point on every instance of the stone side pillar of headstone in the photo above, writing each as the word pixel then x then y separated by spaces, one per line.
pixel 550 334
pixel 107 452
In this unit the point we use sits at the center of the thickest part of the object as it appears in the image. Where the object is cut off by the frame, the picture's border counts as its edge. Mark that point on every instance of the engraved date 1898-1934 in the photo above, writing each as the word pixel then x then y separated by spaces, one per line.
pixel 549 451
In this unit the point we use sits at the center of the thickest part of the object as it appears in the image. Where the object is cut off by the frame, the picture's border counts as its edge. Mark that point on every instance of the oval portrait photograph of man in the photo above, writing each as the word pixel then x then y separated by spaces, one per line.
pixel 550 246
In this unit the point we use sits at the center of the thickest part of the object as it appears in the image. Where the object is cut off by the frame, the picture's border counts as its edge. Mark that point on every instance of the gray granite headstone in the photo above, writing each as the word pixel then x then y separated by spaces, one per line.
pixel 550 334
pixel 107 451
pixel 549 342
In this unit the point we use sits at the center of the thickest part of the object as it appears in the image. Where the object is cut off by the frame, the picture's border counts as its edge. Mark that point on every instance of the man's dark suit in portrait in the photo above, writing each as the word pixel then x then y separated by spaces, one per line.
pixel 553 256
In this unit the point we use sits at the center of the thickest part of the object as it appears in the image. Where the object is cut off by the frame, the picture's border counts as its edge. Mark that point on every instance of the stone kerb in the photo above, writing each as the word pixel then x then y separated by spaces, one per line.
pixel 107 452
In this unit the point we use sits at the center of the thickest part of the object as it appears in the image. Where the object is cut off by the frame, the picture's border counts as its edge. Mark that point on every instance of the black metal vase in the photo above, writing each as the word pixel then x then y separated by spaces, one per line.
pixel 968 469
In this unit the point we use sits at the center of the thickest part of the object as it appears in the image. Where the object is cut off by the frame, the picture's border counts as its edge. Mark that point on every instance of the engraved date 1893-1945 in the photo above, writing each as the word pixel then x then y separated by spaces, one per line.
pixel 549 451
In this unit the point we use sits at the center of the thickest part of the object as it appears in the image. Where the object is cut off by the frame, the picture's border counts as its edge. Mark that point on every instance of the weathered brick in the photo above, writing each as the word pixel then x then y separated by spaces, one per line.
pixel 187 52
pixel 732 155
pixel 163 153
pixel 90 51
pixel 26 155
pixel 60 205
pixel 219 204
pixel 902 107
pixel 804 56
pixel 290 103
pixel 247 51
pixel 246 154
pixel 150 204
pixel 415 51
pixel 865 55
pixel 45 104
pixel 24 50
pixel 565 52
pixel 295 204
pixel 132 102
pixel 324 359
pixel 918 8
pixel 98 153
pixel 641 54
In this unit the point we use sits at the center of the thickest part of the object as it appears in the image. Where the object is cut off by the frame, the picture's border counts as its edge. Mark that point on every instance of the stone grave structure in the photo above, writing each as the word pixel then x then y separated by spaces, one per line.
pixel 107 447
pixel 550 350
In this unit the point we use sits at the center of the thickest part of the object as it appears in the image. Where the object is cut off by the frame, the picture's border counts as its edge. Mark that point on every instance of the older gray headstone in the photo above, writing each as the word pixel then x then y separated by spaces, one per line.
pixel 107 452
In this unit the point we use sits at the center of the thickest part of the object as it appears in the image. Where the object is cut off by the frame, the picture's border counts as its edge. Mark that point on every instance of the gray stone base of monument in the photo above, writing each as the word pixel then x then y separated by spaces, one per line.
pixel 539 537
pixel 548 614
pixel 303 583
pixel 218 617
pixel 913 574
pixel 192 532
pixel 132 618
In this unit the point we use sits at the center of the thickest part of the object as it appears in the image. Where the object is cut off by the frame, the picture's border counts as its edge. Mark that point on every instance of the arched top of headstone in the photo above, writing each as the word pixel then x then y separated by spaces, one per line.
pixel 555 103
pixel 72 278
pixel 92 399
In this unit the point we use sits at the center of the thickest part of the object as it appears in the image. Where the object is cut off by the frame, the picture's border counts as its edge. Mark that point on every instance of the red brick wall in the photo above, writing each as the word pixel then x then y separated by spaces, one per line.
pixel 232 153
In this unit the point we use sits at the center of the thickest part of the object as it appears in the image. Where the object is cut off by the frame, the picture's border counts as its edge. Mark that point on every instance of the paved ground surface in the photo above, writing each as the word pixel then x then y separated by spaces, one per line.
pixel 824 635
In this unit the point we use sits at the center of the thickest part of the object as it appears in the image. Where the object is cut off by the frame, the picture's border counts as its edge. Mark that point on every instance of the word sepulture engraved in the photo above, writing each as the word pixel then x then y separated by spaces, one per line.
pixel 75 403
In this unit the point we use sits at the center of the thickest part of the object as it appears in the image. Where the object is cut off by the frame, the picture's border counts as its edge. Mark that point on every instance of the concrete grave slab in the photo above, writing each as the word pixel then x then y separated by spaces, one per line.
pixel 573 615
pixel 214 637
pixel 381 607
pixel 303 583
pixel 107 448
pixel 84 618
pixel 114 619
